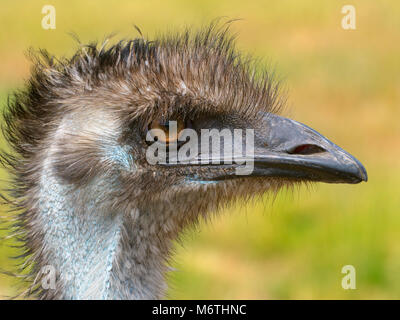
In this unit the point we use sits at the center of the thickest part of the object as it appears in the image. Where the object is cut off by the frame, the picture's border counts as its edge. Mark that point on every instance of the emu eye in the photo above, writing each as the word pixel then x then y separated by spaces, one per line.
pixel 167 127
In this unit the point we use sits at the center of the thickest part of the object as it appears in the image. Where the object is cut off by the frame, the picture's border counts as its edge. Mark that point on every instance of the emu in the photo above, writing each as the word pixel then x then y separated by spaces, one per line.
pixel 86 200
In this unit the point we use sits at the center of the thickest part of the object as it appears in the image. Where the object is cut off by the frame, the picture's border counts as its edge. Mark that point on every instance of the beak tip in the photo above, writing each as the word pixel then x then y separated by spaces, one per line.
pixel 362 172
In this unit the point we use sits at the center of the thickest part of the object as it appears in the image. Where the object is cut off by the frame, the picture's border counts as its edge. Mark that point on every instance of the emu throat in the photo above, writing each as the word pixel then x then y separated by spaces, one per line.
pixel 97 253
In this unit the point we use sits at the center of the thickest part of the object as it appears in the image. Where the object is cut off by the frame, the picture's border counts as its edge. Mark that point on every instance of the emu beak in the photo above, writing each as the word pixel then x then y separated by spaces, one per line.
pixel 287 148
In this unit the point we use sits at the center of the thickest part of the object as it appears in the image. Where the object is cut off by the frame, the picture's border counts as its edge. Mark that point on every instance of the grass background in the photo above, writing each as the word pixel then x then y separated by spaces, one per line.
pixel 346 84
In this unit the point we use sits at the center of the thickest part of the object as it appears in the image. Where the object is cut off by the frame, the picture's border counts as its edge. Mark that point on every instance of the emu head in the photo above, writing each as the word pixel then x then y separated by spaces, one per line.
pixel 82 131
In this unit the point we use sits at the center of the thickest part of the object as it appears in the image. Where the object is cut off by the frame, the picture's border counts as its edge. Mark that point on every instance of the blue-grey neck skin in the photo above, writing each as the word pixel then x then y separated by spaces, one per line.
pixel 98 253
pixel 80 244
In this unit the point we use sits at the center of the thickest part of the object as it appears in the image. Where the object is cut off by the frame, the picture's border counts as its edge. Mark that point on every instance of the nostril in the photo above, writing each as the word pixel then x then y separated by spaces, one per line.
pixel 306 149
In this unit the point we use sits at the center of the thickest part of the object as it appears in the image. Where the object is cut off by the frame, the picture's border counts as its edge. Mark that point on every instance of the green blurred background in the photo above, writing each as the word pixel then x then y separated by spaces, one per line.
pixel 345 83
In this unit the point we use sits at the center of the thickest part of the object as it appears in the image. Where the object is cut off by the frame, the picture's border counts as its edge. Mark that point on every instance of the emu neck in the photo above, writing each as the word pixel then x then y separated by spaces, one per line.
pixel 98 253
